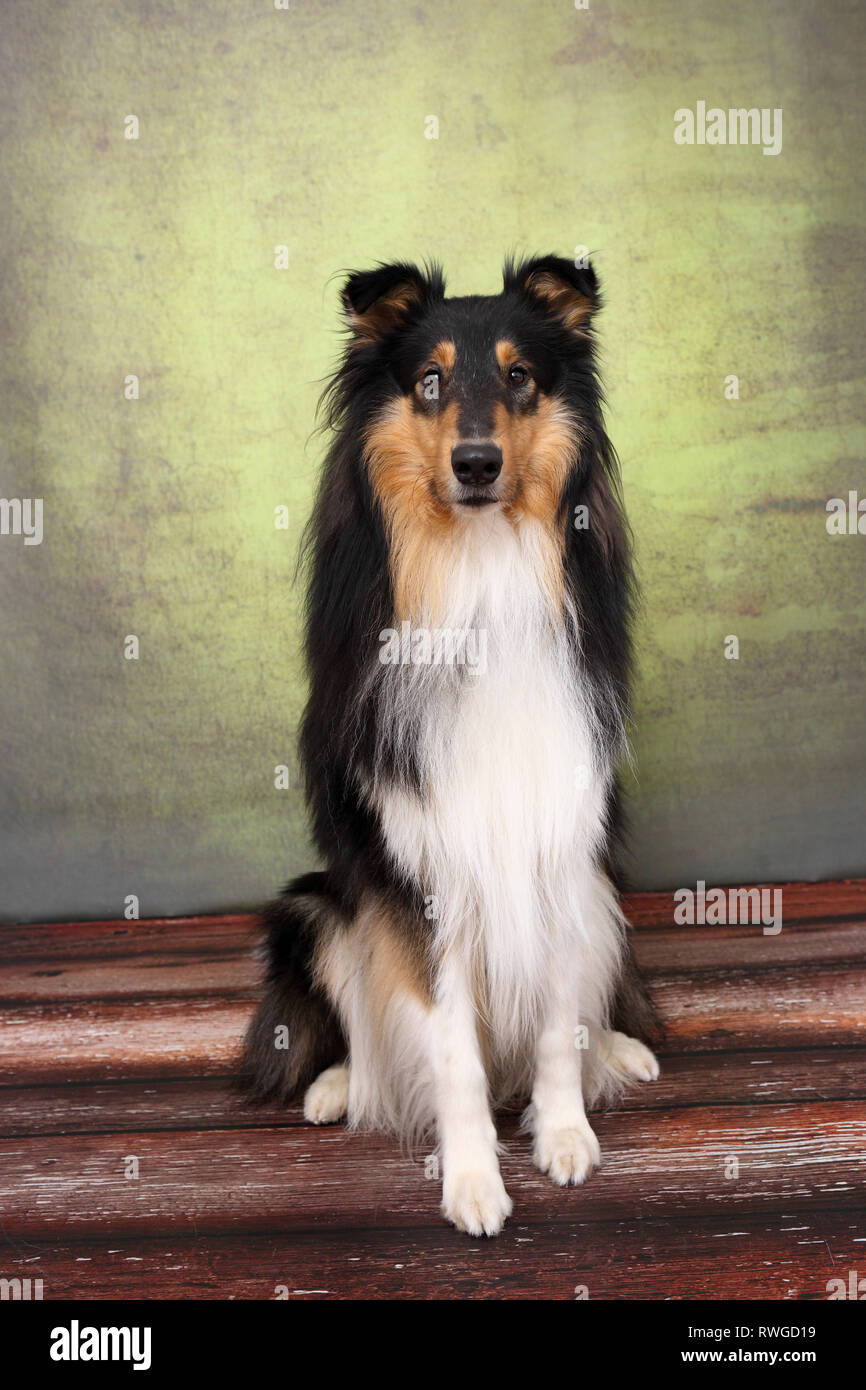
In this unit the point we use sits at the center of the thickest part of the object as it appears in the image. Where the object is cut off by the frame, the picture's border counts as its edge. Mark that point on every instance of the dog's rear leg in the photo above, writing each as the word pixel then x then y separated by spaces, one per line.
pixel 635 1024
pixel 473 1194
pixel 634 1012
pixel 627 1057
pixel 328 1098
pixel 295 1031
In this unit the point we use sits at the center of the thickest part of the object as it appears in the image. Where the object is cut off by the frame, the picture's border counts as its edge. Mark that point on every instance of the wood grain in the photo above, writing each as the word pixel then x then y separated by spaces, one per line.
pixel 102 1041
pixel 785 1007
pixel 781 1256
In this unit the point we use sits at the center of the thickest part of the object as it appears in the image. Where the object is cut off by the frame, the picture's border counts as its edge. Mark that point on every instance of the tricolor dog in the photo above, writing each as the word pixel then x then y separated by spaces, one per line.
pixel 463 947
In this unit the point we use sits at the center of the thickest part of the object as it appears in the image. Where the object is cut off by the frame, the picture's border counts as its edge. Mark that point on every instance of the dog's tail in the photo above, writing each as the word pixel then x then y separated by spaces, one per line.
pixel 295 1032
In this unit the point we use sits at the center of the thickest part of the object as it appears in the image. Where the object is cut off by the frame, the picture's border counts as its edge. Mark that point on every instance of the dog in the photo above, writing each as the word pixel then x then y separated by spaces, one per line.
pixel 467 639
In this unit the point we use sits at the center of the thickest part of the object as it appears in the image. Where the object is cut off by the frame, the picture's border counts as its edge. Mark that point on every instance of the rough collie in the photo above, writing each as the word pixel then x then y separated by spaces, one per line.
pixel 467 642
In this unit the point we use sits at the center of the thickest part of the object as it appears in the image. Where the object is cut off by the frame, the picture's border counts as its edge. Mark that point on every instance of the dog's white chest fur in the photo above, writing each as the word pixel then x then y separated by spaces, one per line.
pixel 503 838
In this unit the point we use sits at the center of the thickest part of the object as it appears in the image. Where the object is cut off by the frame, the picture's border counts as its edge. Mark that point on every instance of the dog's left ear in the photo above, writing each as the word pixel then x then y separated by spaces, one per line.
pixel 378 301
pixel 567 292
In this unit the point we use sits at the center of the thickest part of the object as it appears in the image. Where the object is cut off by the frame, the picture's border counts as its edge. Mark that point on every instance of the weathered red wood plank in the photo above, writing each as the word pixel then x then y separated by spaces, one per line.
pixel 696 949
pixel 754 1078
pixel 101 941
pixel 661 1162
pixel 124 1106
pixel 781 1256
pixel 132 975
pixel 803 902
pixel 105 1041
pixel 795 1007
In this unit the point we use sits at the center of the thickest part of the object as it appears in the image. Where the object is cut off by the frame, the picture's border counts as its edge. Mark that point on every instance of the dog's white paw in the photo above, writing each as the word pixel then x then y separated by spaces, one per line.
pixel 628 1057
pixel 476 1202
pixel 326 1100
pixel 567 1155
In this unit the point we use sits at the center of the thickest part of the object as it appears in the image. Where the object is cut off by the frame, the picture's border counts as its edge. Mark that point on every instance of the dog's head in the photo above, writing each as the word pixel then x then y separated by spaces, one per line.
pixel 471 405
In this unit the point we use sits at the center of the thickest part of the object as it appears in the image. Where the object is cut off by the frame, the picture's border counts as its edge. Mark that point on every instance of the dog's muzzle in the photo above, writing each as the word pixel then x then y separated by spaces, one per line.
pixel 476 466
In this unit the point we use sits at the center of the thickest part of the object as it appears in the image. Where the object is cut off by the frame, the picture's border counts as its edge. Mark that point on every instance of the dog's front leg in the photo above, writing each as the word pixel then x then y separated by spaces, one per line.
pixel 473 1194
pixel 565 1145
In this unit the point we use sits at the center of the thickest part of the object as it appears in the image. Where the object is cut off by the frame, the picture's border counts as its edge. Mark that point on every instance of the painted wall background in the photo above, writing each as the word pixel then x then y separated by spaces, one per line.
pixel 306 128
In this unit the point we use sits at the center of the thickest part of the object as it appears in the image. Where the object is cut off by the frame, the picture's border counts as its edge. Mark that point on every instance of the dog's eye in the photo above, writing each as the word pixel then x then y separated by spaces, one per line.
pixel 430 384
pixel 518 376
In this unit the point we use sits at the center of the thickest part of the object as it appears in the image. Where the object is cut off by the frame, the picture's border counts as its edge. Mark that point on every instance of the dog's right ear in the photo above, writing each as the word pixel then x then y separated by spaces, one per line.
pixel 378 301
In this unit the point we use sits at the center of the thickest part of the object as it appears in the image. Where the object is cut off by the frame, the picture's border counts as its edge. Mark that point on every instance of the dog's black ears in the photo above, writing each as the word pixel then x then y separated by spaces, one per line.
pixel 377 301
pixel 568 292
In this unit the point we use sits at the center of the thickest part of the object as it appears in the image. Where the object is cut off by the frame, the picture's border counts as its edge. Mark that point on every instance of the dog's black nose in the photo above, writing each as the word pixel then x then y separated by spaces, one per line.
pixel 477 464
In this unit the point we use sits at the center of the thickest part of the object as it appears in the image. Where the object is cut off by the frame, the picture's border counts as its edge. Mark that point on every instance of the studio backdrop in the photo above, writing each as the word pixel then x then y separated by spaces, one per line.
pixel 184 184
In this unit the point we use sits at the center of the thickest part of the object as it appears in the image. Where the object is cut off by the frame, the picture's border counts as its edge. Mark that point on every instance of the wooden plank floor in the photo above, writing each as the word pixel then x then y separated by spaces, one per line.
pixel 128 1171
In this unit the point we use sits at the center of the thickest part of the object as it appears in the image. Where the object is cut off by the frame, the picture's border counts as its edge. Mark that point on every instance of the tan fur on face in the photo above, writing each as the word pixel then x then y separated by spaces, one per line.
pixel 444 355
pixel 506 354
pixel 538 448
pixel 409 458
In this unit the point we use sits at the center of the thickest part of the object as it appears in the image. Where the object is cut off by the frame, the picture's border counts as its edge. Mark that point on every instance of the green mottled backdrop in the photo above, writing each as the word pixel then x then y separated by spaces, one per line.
pixel 307 128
